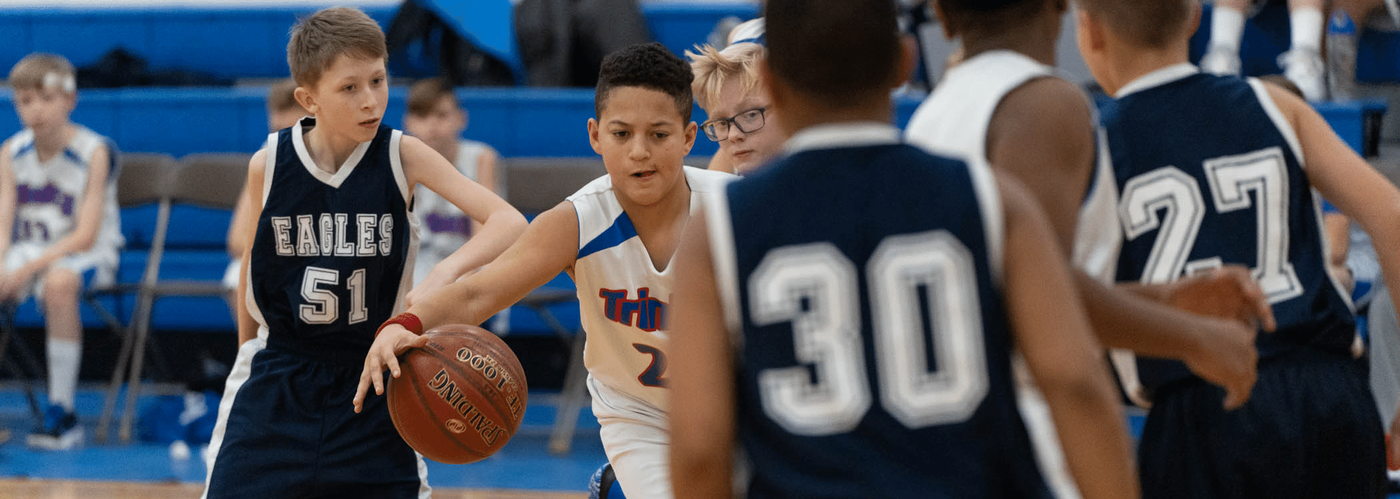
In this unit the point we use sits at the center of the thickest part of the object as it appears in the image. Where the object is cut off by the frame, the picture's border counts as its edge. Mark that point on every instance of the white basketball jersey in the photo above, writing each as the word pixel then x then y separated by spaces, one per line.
pixel 623 298
pixel 444 227
pixel 954 122
pixel 50 193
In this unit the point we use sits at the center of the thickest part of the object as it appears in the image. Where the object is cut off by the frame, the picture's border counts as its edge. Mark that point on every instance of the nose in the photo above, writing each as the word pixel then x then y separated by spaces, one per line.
pixel 736 135
pixel 639 151
pixel 370 100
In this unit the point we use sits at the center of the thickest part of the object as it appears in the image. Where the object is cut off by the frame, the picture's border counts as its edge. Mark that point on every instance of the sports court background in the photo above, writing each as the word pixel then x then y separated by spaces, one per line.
pixel 237 48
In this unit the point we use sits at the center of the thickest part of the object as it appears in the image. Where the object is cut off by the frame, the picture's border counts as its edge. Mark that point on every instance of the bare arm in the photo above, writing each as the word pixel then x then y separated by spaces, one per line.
pixel 501 223
pixel 1052 333
pixel 1043 135
pixel 88 222
pixel 252 207
pixel 8 198
pixel 1356 189
pixel 702 377
pixel 549 246
pixel 238 227
pixel 1338 230
pixel 486 176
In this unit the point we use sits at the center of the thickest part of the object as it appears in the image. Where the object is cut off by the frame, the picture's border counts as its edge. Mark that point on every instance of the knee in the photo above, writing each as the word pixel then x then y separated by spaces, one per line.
pixel 61 286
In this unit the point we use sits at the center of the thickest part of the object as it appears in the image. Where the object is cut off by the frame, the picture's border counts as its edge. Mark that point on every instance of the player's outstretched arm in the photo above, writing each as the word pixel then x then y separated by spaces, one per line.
pixel 702 376
pixel 548 246
pixel 1053 334
pixel 244 233
pixel 88 221
pixel 1355 188
pixel 501 224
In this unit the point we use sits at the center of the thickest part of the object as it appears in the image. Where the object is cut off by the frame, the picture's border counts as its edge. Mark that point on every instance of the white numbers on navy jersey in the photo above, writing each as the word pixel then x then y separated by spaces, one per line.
pixel 827 333
pixel 322 305
pixel 910 392
pixel 1232 179
pixel 1265 173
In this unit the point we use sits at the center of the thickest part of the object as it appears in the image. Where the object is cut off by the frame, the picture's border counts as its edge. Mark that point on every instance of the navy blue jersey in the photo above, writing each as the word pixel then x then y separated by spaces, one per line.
pixel 1210 174
pixel 875 352
pixel 328 261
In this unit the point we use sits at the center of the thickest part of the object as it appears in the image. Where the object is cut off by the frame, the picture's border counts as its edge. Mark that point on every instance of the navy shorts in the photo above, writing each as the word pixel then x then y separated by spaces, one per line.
pixel 1309 430
pixel 292 432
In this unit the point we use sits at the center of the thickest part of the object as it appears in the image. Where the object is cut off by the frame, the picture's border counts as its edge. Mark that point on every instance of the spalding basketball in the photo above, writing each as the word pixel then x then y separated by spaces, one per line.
pixel 460 398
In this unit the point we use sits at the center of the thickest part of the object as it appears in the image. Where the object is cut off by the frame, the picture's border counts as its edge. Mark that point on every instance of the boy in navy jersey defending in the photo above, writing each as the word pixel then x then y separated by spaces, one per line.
pixel 848 313
pixel 332 258
pixel 1221 170
pixel 615 238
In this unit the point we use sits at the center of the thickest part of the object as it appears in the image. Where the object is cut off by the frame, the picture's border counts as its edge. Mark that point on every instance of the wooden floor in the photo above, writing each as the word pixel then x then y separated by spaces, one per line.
pixel 70 489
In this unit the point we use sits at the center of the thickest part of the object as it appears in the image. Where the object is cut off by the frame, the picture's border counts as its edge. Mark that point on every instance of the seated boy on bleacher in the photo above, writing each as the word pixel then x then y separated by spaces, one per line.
pixel 58 191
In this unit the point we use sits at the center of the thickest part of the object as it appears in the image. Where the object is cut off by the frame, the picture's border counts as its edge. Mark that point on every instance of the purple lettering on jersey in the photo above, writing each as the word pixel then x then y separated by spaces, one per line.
pixel 48 194
pixel 645 312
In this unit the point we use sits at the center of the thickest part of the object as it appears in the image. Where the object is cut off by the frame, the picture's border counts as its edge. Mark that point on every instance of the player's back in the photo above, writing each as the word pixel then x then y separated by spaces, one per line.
pixel 875 354
pixel 1210 173
pixel 328 263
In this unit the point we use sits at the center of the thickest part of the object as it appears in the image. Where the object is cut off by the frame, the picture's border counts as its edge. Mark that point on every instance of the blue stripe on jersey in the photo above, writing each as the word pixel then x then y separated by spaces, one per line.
pixel 813 233
pixel 68 152
pixel 27 147
pixel 619 232
pixel 1200 164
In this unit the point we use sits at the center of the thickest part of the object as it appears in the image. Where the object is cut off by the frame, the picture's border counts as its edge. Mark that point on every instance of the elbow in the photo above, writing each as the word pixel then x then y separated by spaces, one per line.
pixel 1086 388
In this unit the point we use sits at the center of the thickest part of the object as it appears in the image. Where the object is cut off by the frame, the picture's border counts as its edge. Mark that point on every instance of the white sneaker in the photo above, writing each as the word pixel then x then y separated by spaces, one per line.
pixel 1222 61
pixel 1305 69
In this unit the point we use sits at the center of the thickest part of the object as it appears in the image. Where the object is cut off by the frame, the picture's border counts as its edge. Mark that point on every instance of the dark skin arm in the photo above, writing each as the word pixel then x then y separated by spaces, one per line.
pixel 1041 134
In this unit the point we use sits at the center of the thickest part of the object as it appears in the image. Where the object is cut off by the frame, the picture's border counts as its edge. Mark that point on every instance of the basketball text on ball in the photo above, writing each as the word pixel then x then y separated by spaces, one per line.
pixel 447 390
pixel 488 368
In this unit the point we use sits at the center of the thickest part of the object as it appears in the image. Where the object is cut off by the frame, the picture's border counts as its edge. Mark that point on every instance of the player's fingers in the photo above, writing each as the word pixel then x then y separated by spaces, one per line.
pixel 1238 394
pixel 360 389
pixel 1258 301
pixel 393 364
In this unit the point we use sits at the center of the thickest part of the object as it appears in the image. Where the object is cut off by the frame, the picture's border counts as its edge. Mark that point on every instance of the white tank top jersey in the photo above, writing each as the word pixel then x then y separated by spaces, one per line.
pixel 622 298
pixel 50 193
pixel 443 227
pixel 954 121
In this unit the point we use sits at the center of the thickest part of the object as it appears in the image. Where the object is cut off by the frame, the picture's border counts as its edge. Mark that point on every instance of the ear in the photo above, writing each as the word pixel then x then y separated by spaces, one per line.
pixel 908 60
pixel 1195 22
pixel 690 130
pixel 307 101
pixel 593 136
pixel 463 118
pixel 948 31
pixel 1090 30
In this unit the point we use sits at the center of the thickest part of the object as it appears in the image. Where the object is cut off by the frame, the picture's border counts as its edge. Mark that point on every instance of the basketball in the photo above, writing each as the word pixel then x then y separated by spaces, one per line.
pixel 460 398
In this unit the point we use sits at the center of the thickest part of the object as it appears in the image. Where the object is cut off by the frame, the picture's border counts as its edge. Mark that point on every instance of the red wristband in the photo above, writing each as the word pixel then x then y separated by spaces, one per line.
pixel 407 320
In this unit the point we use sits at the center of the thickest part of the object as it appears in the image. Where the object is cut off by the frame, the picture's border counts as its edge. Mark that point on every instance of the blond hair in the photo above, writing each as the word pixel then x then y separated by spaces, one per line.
pixel 40 71
pixel 320 38
pixel 713 67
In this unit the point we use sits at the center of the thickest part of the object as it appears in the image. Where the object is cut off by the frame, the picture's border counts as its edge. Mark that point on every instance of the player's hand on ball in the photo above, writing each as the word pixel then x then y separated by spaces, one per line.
pixel 1225 355
pixel 384 354
pixel 1228 292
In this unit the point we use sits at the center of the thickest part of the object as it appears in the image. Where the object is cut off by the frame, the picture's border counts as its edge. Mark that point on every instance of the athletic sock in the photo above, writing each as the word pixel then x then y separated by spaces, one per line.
pixel 64 359
pixel 1306 26
pixel 1226 28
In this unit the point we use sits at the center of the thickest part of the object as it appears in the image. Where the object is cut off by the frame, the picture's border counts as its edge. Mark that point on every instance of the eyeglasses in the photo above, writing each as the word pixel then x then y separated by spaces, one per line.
pixel 748 122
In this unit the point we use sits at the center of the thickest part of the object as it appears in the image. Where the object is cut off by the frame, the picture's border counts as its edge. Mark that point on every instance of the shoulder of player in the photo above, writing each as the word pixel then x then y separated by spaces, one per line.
pixel 1046 104
pixel 1288 104
pixel 704 181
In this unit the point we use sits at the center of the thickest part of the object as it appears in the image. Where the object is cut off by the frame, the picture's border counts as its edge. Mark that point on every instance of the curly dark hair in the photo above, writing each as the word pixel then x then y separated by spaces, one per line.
pixel 647 65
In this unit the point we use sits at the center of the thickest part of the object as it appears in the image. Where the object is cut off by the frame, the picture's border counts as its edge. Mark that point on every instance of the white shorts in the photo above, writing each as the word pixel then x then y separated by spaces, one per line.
pixel 230 281
pixel 635 438
pixel 96 267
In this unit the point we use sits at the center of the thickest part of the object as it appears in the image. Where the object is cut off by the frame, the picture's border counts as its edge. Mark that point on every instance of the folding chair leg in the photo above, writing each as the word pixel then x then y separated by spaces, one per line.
pixel 133 383
pixel 109 405
pixel 573 395
pixel 7 330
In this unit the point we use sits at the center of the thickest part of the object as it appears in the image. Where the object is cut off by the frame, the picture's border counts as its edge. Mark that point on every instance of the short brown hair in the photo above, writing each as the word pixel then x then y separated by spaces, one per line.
pixel 34 70
pixel 321 37
pixel 712 67
pixel 424 95
pixel 281 96
pixel 1146 23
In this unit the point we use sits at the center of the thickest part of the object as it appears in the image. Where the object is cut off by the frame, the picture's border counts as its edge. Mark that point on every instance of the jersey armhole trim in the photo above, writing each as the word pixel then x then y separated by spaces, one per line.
pixel 722 258
pixel 993 221
pixel 396 161
pixel 270 166
pixel 1284 127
